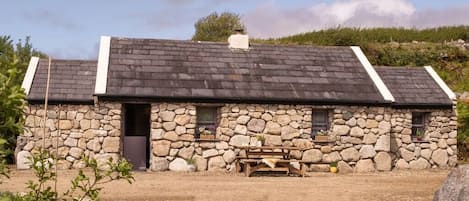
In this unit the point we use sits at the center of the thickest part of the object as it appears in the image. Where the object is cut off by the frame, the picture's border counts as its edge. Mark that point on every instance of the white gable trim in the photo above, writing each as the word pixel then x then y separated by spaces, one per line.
pixel 373 74
pixel 440 82
pixel 29 76
pixel 103 65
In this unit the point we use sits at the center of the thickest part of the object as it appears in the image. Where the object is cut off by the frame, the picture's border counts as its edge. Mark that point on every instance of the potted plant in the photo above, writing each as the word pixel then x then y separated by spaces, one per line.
pixel 205 134
pixel 191 164
pixel 333 167
pixel 321 136
pixel 260 140
pixel 420 134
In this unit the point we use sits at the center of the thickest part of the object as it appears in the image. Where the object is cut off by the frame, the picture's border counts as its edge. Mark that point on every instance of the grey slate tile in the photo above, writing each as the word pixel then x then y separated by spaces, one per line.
pixel 70 81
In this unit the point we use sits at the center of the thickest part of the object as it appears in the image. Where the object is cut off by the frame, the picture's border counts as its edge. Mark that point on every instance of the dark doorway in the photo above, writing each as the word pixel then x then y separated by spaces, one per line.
pixel 137 135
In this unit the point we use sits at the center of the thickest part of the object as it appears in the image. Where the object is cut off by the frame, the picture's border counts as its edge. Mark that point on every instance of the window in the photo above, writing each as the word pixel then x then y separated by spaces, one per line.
pixel 320 121
pixel 418 124
pixel 207 117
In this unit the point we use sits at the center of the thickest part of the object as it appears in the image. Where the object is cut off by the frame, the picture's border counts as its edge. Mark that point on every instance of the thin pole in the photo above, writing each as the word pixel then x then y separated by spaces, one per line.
pixel 46 98
pixel 57 149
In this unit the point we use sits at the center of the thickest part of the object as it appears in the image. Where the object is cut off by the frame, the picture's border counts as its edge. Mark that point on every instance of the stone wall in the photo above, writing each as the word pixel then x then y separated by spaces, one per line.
pixel 359 138
pixel 437 149
pixel 92 130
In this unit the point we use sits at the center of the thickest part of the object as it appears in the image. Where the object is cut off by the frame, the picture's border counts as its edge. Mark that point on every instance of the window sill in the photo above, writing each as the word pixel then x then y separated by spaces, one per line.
pixel 420 141
pixel 207 140
pixel 322 141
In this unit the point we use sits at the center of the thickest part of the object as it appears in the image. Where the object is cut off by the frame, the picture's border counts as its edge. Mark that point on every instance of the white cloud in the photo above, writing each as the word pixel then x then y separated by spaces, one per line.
pixel 269 20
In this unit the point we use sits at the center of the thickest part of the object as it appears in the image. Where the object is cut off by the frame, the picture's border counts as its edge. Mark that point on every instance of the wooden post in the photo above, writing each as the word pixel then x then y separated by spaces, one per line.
pixel 46 97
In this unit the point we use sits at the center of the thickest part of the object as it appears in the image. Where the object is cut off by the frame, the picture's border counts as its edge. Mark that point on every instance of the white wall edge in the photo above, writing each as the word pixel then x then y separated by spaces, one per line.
pixel 382 88
pixel 103 65
pixel 440 82
pixel 29 76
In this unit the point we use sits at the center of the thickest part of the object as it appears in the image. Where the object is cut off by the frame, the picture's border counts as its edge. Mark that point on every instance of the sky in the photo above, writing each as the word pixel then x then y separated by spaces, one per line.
pixel 71 29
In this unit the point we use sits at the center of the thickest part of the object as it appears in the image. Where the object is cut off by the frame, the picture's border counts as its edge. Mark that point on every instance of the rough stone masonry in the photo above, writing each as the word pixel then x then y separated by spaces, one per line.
pixel 362 138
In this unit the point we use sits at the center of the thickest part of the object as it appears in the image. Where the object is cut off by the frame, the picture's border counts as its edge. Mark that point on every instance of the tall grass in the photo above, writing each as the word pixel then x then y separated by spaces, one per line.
pixel 360 36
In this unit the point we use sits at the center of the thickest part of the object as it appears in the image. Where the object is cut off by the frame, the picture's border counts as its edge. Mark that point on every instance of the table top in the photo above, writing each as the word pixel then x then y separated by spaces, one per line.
pixel 269 147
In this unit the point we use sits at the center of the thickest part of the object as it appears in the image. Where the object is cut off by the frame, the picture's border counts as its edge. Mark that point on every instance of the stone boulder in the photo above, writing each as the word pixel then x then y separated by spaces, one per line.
pixel 367 151
pixel 186 152
pixel 209 153
pixel 383 161
pixel 288 133
pixel 22 160
pixel 341 129
pixel 356 132
pixel 344 167
pixel 256 125
pixel 111 144
pixel 273 128
pixel 216 163
pixel 240 140
pixel 274 140
pixel 419 164
pixel 312 155
pixel 182 119
pixel 243 119
pixel 364 166
pixel 455 187
pixel 229 156
pixel 179 165
pixel 161 147
pixel 350 154
pixel 167 115
pixel 240 129
pixel 440 157
pixel 402 164
pixel 159 164
pixel 383 143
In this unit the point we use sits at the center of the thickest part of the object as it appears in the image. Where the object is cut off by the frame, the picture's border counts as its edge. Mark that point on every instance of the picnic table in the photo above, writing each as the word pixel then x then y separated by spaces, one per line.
pixel 269 159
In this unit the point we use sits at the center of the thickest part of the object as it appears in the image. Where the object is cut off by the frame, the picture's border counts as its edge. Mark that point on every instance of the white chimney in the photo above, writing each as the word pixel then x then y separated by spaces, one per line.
pixel 238 41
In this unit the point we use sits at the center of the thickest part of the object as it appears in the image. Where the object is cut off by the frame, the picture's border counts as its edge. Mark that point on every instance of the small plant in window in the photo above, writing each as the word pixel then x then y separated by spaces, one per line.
pixel 205 133
pixel 260 139
pixel 420 134
pixel 322 135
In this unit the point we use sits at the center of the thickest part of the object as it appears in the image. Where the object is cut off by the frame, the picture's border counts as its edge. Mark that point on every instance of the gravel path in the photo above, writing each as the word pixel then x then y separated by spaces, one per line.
pixel 396 185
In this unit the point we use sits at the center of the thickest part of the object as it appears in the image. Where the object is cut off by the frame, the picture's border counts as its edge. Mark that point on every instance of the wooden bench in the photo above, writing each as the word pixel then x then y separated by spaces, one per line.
pixel 282 165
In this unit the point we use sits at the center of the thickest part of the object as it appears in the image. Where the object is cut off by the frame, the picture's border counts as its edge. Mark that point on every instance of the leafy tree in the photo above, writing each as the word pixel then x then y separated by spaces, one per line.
pixel 217 27
pixel 14 59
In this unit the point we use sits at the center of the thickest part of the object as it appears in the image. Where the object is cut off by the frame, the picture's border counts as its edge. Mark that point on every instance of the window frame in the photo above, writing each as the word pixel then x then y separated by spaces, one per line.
pixel 211 125
pixel 322 125
pixel 418 125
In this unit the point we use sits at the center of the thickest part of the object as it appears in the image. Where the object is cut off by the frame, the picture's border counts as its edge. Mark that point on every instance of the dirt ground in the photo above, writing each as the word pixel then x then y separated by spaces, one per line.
pixel 218 186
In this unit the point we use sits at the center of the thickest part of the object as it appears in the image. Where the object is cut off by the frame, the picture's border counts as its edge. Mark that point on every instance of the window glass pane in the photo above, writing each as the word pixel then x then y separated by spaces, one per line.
pixel 319 116
pixel 320 121
pixel 206 114
pixel 418 123
pixel 207 118
pixel 417 118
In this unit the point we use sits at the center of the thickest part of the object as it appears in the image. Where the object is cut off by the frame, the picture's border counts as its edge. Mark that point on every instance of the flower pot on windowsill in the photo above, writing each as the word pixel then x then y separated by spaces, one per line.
pixel 321 138
pixel 207 137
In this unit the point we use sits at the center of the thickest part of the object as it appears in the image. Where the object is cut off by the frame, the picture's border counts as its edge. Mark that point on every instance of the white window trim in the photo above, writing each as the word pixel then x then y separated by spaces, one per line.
pixel 29 76
pixel 103 65
pixel 383 90
pixel 440 82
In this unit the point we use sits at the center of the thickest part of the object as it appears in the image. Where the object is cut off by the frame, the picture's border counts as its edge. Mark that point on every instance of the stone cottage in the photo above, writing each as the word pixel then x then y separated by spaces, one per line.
pixel 145 100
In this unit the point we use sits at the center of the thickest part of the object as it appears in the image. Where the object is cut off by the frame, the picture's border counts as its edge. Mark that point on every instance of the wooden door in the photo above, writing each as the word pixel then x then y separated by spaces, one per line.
pixel 136 135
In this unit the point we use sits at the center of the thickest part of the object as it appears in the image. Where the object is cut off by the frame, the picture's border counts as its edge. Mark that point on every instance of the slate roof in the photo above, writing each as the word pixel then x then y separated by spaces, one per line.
pixel 71 81
pixel 412 86
pixel 191 70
